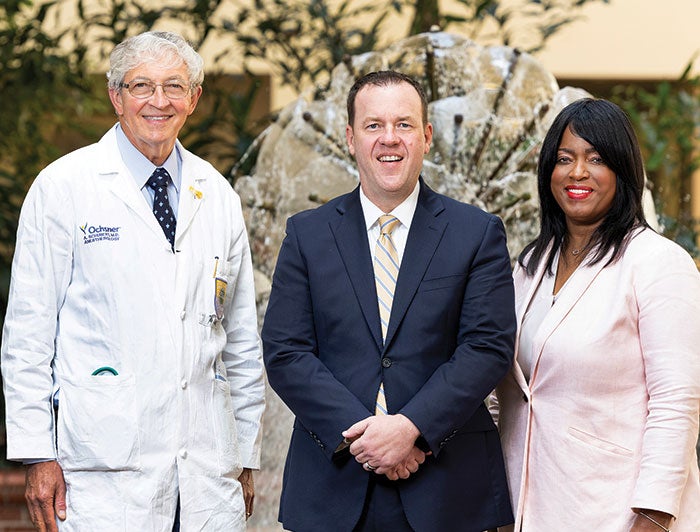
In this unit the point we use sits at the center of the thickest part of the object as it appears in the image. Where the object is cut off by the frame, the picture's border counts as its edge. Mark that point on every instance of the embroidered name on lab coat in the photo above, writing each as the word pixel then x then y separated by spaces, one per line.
pixel 97 233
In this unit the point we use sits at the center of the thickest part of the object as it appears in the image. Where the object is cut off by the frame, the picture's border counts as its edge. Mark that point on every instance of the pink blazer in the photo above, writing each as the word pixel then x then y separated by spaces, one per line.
pixel 609 420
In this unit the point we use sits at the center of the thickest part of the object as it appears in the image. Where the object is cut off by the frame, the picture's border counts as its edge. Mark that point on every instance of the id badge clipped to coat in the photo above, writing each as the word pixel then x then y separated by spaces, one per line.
pixel 219 297
pixel 220 287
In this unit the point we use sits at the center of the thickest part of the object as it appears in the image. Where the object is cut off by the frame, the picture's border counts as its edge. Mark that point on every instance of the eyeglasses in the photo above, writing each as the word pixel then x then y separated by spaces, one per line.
pixel 175 90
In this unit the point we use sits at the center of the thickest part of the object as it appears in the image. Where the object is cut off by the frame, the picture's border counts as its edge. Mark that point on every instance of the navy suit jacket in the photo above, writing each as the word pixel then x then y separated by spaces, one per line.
pixel 449 342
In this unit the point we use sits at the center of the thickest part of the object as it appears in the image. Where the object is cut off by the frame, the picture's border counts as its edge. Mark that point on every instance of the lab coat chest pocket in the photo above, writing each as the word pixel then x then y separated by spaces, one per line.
pixel 224 284
pixel 216 291
pixel 98 424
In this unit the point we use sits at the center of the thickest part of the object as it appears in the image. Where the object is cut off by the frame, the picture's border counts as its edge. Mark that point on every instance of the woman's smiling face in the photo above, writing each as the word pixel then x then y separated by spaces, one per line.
pixel 582 183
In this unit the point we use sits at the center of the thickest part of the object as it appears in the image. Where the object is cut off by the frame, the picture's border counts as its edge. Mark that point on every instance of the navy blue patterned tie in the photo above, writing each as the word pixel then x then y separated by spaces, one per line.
pixel 159 181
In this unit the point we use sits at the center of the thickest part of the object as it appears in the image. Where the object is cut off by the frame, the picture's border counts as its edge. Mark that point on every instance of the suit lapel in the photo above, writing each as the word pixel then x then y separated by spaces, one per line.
pixel 423 239
pixel 350 235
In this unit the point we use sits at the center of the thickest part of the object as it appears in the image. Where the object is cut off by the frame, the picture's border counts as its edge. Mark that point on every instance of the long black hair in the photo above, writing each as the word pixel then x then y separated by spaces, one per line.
pixel 608 129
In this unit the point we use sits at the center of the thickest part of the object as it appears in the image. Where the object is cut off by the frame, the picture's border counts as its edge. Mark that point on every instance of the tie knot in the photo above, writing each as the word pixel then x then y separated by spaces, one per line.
pixel 387 223
pixel 160 178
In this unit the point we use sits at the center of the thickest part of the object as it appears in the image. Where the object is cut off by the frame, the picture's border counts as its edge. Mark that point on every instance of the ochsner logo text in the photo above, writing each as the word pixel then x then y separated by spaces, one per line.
pixel 96 233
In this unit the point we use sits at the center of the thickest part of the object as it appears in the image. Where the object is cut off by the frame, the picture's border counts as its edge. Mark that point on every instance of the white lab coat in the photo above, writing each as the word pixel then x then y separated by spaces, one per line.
pixel 94 284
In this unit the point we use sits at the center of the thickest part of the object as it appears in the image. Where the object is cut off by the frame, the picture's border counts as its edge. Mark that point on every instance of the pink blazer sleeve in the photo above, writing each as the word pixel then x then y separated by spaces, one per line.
pixel 667 286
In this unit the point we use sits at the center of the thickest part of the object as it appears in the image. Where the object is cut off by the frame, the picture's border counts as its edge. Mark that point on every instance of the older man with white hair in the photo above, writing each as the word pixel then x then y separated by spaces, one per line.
pixel 131 359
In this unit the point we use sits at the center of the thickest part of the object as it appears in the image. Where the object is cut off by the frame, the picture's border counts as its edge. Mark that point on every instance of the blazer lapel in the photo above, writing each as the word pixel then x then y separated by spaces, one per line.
pixel 520 311
pixel 423 239
pixel 350 235
pixel 575 288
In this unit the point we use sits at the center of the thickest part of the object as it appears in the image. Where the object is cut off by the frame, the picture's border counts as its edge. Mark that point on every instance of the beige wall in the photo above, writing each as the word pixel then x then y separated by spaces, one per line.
pixel 627 39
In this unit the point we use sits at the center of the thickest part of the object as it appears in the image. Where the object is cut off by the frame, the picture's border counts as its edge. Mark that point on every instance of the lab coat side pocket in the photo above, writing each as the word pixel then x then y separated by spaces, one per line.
pixel 225 432
pixel 98 424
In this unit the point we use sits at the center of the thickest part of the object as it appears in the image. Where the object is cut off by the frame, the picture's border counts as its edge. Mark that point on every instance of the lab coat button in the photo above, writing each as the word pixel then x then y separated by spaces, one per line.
pixel 183 453
pixel 386 362
pixel 183 384
pixel 182 315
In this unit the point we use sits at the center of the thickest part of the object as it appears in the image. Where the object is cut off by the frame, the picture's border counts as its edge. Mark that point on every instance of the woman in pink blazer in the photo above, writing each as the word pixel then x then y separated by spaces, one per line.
pixel 599 415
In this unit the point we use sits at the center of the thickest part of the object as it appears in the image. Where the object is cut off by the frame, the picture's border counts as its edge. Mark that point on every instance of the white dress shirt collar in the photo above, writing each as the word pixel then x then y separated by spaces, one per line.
pixel 140 167
pixel 404 212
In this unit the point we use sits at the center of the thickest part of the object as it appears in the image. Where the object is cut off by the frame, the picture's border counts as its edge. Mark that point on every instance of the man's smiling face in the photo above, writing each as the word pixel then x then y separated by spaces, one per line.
pixel 388 140
pixel 152 124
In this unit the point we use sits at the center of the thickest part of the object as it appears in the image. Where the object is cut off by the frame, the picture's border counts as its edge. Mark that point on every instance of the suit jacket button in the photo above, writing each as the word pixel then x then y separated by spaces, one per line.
pixel 386 362
pixel 525 398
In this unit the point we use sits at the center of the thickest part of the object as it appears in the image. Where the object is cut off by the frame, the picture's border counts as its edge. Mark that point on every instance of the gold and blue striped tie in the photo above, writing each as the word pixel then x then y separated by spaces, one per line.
pixel 386 271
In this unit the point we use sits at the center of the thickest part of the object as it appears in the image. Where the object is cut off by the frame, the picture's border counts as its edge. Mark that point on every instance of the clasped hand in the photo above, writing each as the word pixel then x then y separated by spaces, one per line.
pixel 386 445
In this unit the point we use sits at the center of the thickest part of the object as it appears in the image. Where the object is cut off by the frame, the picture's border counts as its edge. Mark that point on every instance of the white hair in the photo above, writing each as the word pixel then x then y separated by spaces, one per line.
pixel 161 46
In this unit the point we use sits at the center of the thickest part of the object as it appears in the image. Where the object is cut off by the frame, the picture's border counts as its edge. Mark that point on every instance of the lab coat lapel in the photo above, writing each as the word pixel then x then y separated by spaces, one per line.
pixel 121 183
pixel 191 194
pixel 350 235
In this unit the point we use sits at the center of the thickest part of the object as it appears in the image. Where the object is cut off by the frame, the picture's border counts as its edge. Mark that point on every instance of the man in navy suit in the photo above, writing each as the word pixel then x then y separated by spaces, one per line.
pixel 429 459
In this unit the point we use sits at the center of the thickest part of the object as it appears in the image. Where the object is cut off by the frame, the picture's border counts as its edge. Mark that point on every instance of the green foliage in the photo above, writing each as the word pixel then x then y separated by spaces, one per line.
pixel 110 22
pixel 666 117
pixel 224 130
pixel 44 93
pixel 525 24
pixel 302 40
